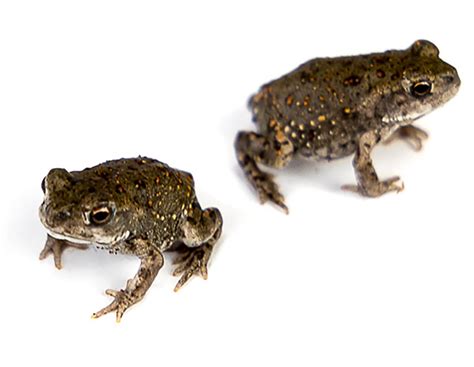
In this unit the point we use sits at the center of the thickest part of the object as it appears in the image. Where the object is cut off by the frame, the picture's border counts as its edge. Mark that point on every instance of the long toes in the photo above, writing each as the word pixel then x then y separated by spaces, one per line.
pixel 393 184
pixel 420 134
pixel 195 264
pixel 391 180
pixel 44 253
pixel 57 253
pixel 180 258
pixel 183 266
pixel 196 268
pixel 416 141
pixel 417 144
pixel 178 271
pixel 58 262
pixel 57 257
pixel 414 136
pixel 280 203
pixel 203 271
pixel 116 305
pixel 351 188
pixel 270 192
pixel 402 187
pixel 183 280
pixel 378 189
pixel 110 308
pixel 112 292
pixel 398 186
pixel 120 311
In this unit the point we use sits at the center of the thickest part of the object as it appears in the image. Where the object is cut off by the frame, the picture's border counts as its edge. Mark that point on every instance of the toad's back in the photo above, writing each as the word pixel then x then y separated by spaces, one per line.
pixel 141 183
pixel 324 105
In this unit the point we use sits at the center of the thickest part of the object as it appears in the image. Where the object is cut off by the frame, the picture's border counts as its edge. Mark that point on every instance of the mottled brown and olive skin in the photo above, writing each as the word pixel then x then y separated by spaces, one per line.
pixel 151 208
pixel 327 106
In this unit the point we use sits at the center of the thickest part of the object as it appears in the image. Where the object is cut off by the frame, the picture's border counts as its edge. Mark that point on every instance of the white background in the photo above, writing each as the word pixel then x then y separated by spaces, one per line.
pixel 341 281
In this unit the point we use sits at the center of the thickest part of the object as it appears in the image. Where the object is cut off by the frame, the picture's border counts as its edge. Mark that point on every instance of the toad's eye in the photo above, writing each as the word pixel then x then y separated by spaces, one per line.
pixel 43 185
pixel 100 215
pixel 421 89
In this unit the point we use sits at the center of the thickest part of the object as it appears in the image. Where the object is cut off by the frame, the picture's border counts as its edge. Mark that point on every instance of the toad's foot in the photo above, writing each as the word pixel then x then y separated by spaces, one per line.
pixel 379 188
pixel 268 190
pixel 123 300
pixel 56 247
pixel 413 135
pixel 193 260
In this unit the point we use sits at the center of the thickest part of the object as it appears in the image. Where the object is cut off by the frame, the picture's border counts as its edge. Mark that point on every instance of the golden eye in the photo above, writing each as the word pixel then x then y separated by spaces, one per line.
pixel 100 215
pixel 421 89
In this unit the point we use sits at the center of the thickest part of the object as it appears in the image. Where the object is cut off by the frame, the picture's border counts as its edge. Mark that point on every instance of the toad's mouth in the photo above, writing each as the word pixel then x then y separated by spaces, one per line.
pixel 63 237
pixel 407 118
pixel 110 241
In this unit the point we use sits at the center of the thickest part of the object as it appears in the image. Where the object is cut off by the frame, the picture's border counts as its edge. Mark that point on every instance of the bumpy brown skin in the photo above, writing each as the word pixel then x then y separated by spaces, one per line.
pixel 153 208
pixel 330 108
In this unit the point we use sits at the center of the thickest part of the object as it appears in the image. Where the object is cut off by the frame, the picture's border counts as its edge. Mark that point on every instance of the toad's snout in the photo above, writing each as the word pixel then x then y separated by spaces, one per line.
pixel 51 217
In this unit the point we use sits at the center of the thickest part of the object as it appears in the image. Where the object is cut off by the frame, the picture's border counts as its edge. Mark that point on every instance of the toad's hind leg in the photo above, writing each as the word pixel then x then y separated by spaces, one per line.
pixel 276 151
pixel 202 229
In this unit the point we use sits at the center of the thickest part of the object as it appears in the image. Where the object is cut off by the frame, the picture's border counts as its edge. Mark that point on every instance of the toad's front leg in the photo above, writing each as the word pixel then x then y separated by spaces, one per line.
pixel 413 135
pixel 56 247
pixel 367 179
pixel 151 262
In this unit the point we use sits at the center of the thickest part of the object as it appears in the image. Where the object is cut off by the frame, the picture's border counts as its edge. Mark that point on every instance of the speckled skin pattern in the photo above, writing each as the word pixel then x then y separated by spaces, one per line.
pixel 136 206
pixel 330 108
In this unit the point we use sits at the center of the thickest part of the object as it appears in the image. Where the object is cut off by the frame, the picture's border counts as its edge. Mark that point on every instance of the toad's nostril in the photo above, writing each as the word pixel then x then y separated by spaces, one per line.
pixel 448 79
pixel 63 215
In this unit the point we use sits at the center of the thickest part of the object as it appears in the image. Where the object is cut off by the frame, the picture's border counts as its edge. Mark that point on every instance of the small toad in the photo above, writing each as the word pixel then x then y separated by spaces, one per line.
pixel 136 206
pixel 330 108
